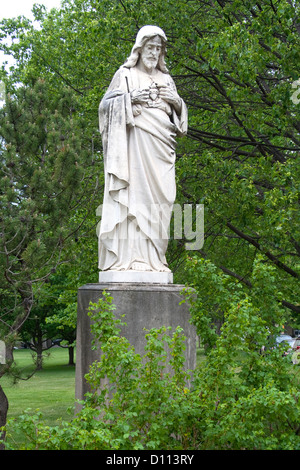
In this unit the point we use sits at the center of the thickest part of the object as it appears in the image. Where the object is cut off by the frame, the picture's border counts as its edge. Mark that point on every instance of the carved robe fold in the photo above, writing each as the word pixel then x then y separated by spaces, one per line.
pixel 139 163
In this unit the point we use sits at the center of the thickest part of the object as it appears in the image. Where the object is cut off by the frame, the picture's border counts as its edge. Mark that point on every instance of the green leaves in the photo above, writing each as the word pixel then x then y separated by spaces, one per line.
pixel 239 399
pixel 43 157
pixel 234 63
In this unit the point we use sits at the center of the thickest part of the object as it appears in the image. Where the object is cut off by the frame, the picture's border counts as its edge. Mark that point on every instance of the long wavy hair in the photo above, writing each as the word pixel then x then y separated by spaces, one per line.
pixel 144 34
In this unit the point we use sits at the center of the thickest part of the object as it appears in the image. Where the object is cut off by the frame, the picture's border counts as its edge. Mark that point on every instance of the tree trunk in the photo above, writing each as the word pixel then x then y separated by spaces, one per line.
pixel 3 414
pixel 3 398
pixel 39 357
pixel 38 346
pixel 71 356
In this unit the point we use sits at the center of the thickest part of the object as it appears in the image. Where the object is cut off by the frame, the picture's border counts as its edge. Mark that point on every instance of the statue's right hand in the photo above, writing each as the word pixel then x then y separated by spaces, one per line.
pixel 139 96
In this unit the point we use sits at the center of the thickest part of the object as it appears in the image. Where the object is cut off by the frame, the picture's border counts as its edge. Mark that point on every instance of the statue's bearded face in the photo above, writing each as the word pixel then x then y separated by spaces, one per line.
pixel 150 53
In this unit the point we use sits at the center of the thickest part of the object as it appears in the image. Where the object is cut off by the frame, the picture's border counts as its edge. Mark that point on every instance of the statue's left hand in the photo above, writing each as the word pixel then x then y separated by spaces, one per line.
pixel 170 96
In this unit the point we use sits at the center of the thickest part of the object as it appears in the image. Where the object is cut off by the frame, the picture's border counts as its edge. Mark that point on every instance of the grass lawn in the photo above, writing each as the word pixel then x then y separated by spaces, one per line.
pixel 51 390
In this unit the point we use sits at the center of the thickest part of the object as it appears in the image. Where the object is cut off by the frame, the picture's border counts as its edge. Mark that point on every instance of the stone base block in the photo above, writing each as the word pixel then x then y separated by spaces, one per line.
pixel 145 306
pixel 136 276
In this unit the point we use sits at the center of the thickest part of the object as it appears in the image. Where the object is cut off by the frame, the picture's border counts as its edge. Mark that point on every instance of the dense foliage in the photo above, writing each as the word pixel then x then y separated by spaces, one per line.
pixel 236 399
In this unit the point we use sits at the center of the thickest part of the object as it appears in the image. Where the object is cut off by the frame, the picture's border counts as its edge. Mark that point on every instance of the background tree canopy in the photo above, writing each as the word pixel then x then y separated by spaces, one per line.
pixel 235 64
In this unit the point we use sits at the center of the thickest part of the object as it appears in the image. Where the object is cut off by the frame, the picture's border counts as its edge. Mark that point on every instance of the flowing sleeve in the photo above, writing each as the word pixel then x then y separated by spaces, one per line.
pixel 180 120
pixel 115 114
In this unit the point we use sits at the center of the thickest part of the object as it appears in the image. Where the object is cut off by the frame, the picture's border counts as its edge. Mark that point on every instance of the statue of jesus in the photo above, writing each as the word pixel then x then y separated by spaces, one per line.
pixel 140 116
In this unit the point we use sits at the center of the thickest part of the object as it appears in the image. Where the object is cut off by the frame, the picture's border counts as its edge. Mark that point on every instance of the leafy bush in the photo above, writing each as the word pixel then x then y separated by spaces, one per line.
pixel 141 406
pixel 237 398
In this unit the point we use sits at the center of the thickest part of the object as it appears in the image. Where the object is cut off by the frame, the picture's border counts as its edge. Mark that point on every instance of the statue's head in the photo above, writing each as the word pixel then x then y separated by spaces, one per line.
pixel 145 34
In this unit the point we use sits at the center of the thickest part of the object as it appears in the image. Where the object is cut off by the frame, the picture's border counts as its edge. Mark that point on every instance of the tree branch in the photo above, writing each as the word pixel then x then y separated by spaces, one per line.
pixel 269 255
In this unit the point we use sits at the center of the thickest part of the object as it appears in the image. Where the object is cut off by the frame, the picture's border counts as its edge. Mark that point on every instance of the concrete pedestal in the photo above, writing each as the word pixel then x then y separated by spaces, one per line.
pixel 145 306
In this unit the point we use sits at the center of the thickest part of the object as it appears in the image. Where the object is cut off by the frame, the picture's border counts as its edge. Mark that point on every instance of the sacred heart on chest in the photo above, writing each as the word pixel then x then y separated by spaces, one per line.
pixel 153 92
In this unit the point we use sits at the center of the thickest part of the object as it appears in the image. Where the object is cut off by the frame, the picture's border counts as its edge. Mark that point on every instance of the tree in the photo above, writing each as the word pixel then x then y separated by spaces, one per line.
pixel 235 64
pixel 37 335
pixel 239 66
pixel 43 181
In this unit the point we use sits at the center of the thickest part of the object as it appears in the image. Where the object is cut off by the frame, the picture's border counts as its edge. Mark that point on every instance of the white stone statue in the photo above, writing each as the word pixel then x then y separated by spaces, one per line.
pixel 140 116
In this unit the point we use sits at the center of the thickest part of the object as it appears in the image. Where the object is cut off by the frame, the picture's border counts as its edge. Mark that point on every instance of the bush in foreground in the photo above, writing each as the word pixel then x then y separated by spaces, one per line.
pixel 238 398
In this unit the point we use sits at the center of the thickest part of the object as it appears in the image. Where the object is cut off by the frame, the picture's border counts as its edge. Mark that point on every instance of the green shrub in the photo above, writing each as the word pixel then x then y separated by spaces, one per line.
pixel 237 398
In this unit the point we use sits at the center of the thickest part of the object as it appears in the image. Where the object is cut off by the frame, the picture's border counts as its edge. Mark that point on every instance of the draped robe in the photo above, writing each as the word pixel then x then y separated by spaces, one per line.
pixel 139 165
